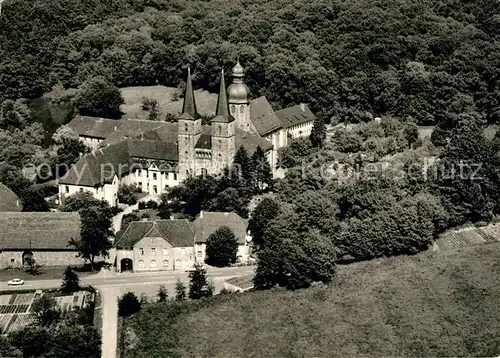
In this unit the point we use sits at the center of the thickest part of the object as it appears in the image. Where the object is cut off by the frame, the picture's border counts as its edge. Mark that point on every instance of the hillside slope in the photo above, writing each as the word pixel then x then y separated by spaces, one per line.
pixel 426 305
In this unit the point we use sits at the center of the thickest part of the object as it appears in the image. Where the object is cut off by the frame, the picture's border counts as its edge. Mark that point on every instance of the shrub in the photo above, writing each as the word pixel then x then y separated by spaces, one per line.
pixel 128 218
pixel 162 294
pixel 151 204
pixel 115 210
pixel 148 103
pixel 127 194
pixel 180 291
pixel 71 281
pixel 128 304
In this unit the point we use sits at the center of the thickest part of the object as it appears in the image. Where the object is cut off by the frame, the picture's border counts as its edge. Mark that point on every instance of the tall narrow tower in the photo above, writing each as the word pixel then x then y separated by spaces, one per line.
pixel 238 94
pixel 189 131
pixel 223 141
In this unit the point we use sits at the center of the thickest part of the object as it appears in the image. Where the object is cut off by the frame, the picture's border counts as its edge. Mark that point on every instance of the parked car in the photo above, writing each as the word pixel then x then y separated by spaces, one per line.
pixel 15 282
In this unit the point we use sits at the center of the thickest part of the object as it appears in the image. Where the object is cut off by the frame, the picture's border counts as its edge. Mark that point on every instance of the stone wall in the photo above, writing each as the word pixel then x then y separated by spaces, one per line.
pixel 44 258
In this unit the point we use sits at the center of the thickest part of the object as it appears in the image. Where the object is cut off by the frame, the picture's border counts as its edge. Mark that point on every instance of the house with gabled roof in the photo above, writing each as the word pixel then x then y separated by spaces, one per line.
pixel 174 244
pixel 155 245
pixel 207 222
pixel 156 155
pixel 43 236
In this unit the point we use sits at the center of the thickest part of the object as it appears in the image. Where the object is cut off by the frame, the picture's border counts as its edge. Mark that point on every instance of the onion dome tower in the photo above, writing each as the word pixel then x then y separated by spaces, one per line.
pixel 238 99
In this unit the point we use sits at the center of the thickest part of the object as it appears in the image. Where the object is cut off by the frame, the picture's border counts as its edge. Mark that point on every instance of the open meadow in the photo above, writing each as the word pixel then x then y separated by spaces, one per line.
pixel 425 305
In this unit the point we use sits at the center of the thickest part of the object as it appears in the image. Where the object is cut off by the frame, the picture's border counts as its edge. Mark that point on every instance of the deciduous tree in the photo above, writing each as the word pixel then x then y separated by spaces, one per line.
pixel 98 97
pixel 222 247
pixel 263 213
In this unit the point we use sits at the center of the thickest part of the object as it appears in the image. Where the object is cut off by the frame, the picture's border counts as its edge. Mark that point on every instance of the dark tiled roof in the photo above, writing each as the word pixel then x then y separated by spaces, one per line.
pixel 204 142
pixel 9 201
pixel 250 141
pixel 295 115
pixel 93 127
pixel 38 231
pixel 178 233
pixel 166 132
pixel 116 159
pixel 130 129
pixel 208 222
pixel 263 116
pixel 108 161
pixel 153 149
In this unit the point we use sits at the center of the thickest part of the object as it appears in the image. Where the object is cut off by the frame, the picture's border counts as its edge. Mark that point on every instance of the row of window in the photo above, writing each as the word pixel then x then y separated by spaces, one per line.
pixel 153 264
pixel 233 109
pixel 155 176
pixel 165 252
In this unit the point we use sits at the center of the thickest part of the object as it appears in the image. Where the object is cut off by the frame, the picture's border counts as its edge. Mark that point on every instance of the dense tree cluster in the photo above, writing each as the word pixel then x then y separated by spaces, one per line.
pixel 386 193
pixel 351 60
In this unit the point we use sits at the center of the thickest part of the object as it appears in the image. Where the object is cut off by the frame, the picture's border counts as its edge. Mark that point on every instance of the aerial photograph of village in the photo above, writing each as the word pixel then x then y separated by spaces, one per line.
pixel 249 178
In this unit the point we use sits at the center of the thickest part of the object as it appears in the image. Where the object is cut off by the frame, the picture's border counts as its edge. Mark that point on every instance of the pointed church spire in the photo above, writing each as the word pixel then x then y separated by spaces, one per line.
pixel 189 105
pixel 222 106
pixel 222 113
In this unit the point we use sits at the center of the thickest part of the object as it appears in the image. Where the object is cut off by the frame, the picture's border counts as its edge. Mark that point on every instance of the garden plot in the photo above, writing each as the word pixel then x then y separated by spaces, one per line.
pixel 4 322
pixel 15 309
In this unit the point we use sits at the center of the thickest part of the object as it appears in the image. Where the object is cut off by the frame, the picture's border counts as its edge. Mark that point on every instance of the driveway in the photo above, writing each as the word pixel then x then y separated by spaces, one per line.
pixel 109 320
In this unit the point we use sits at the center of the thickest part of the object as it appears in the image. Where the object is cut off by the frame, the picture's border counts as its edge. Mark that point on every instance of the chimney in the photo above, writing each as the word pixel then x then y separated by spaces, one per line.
pixel 115 128
pixel 303 107
pixel 201 214
pixel 172 217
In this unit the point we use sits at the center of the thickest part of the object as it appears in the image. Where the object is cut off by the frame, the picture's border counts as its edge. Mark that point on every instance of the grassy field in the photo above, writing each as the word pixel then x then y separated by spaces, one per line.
pixel 132 109
pixel 426 305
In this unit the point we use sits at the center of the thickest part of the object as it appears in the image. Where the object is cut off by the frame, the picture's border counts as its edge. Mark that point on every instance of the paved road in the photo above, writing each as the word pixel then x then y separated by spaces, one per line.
pixel 145 278
pixel 112 285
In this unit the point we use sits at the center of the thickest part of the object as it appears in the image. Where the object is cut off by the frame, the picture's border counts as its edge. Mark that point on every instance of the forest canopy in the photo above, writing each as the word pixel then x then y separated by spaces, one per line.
pixel 428 60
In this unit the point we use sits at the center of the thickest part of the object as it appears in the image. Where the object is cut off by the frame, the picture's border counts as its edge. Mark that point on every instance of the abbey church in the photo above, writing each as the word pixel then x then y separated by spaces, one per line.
pixel 157 155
